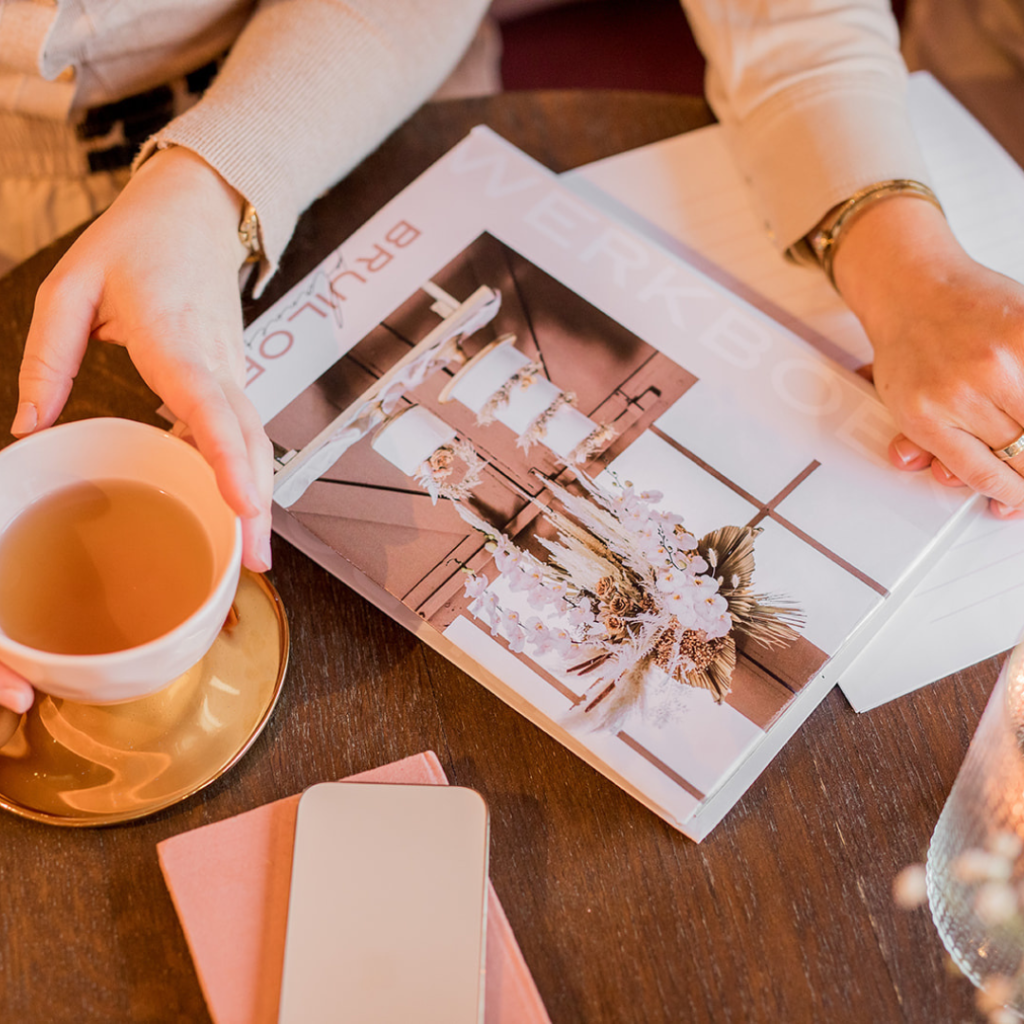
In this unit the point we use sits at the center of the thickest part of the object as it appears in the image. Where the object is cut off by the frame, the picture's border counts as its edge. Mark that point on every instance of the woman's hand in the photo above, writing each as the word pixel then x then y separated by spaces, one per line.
pixel 948 336
pixel 158 273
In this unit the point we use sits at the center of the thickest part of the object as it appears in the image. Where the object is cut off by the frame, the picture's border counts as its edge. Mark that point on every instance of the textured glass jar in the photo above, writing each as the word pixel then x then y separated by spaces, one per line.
pixel 985 813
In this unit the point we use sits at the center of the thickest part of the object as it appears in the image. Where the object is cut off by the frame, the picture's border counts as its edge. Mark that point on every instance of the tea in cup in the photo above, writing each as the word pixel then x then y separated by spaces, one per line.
pixel 119 559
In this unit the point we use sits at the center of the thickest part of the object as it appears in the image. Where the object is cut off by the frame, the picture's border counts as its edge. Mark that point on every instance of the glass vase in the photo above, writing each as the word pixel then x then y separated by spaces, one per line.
pixel 974 867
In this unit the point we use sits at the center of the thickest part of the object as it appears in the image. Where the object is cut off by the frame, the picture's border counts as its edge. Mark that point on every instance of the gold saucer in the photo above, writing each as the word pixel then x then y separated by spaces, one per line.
pixel 86 764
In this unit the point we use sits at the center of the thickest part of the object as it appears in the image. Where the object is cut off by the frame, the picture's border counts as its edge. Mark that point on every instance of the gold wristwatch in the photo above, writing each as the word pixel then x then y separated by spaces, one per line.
pixel 249 234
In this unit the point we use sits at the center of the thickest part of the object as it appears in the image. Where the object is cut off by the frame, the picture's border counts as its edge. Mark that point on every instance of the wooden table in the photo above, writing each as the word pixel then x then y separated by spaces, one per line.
pixel 783 915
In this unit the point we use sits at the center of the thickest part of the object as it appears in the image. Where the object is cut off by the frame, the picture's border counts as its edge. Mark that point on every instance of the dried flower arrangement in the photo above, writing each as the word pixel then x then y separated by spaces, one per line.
pixel 626 590
pixel 538 429
pixel 521 379
pixel 435 473
pixel 596 441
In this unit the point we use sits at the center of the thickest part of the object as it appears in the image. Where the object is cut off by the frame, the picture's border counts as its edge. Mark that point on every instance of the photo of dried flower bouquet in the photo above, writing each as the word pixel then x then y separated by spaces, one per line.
pixel 626 590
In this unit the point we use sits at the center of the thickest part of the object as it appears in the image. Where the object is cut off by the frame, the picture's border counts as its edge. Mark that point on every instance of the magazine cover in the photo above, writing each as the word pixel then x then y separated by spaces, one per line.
pixel 638 510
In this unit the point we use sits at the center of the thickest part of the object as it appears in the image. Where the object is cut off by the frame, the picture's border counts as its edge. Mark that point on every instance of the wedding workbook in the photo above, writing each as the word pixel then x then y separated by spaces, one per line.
pixel 637 509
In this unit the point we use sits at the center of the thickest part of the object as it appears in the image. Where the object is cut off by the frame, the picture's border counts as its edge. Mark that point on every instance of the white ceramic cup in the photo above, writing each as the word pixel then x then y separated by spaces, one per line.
pixel 116 449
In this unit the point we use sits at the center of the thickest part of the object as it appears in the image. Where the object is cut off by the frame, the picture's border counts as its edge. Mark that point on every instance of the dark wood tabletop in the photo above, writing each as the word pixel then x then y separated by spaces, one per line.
pixel 783 915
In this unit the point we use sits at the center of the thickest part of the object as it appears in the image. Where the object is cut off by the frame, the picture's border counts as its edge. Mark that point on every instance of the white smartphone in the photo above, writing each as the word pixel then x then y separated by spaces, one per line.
pixel 387 912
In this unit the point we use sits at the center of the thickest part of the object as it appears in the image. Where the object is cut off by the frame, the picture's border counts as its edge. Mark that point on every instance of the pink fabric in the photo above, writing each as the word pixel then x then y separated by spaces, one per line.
pixel 229 882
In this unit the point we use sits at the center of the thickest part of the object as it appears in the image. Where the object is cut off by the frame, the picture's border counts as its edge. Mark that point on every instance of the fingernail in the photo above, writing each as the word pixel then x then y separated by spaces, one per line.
pixel 264 552
pixel 1002 509
pixel 17 700
pixel 25 419
pixel 940 468
pixel 906 450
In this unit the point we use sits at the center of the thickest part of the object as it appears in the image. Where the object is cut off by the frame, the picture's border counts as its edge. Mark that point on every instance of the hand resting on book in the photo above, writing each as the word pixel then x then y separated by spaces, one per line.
pixel 948 337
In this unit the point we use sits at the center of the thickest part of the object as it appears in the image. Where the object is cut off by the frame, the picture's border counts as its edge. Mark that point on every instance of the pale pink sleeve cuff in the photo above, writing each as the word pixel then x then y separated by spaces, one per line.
pixel 807 149
pixel 309 89
pixel 812 94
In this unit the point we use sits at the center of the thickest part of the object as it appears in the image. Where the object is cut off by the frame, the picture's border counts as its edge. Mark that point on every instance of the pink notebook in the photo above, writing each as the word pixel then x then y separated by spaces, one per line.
pixel 230 880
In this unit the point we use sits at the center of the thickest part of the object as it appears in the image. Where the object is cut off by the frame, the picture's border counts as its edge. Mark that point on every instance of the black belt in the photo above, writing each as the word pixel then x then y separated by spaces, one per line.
pixel 135 118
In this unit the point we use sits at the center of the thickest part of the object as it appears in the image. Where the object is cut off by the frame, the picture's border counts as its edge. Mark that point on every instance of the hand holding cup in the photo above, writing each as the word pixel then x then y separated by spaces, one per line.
pixel 95 454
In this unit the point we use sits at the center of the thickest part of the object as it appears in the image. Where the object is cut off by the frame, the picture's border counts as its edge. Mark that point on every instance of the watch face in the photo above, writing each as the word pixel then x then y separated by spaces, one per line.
pixel 821 242
pixel 249 233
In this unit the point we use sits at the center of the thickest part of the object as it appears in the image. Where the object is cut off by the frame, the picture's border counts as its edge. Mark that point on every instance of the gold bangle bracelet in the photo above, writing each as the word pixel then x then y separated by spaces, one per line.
pixel 818 248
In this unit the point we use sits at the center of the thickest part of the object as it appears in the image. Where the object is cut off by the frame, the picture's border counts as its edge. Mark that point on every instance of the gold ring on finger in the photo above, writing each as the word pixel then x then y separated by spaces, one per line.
pixel 1012 449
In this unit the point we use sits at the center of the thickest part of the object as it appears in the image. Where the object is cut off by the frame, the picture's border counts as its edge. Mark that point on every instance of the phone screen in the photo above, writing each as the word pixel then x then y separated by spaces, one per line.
pixel 386 917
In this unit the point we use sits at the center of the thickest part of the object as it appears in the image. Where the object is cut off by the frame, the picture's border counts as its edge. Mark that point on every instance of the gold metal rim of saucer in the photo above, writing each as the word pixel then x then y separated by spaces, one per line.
pixel 86 765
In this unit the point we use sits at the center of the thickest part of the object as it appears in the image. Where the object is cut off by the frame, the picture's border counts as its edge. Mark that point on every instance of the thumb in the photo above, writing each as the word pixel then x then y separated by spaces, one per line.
pixel 57 338
pixel 16 694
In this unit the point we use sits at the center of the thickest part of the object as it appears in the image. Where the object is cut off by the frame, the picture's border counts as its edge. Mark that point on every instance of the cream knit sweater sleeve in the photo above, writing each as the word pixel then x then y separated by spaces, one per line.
pixel 311 87
pixel 813 97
